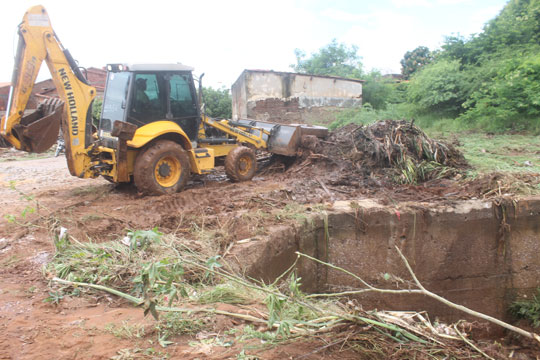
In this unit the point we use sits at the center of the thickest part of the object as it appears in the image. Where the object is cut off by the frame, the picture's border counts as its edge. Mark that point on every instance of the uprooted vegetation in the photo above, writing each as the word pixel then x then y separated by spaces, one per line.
pixel 397 145
pixel 392 161
pixel 393 151
pixel 192 292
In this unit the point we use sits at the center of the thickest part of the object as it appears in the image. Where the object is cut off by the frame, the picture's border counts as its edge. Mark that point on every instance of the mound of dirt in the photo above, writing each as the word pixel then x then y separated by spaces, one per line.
pixel 390 160
pixel 392 151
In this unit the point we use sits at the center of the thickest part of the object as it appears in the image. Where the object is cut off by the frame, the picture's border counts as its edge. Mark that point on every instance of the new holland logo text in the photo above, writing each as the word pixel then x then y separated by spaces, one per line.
pixel 72 105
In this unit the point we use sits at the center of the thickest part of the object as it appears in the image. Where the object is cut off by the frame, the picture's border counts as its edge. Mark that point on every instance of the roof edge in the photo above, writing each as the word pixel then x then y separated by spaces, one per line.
pixel 302 74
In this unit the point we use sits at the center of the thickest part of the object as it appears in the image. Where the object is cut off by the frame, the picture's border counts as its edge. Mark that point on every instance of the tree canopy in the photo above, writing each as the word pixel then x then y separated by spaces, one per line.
pixel 415 60
pixel 333 59
pixel 439 88
pixel 492 79
pixel 218 102
pixel 337 59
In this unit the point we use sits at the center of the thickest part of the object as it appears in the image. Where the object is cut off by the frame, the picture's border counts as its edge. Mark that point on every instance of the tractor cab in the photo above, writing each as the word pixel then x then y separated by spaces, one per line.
pixel 141 94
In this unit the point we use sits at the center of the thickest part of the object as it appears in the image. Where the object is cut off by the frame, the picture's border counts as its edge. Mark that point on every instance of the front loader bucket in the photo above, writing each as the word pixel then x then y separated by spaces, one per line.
pixel 283 139
pixel 38 131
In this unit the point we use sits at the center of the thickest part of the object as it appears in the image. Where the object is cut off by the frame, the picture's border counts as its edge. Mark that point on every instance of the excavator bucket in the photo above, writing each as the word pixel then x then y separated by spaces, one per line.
pixel 283 139
pixel 39 130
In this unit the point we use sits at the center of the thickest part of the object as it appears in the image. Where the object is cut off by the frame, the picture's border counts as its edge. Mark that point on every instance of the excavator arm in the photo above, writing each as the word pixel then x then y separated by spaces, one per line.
pixel 38 132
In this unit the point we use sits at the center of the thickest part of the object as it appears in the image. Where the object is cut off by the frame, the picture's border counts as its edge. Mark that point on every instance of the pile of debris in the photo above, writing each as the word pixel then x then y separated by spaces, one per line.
pixel 393 150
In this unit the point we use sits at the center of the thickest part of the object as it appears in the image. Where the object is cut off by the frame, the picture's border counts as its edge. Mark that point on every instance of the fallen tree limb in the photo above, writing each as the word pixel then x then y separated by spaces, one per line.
pixel 466 310
pixel 471 344
pixel 421 290
pixel 138 301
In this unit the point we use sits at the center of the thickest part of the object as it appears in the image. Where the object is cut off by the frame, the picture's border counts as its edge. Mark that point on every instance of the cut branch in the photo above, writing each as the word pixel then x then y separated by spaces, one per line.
pixel 421 290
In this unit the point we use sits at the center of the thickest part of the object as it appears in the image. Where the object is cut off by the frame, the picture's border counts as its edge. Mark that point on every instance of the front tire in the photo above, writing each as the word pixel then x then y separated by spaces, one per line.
pixel 240 164
pixel 162 168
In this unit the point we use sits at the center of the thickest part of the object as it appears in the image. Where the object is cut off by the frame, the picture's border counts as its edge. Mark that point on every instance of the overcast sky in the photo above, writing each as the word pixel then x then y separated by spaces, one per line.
pixel 221 38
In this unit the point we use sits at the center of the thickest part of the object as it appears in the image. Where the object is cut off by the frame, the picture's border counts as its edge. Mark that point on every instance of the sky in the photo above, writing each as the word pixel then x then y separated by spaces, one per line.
pixel 222 38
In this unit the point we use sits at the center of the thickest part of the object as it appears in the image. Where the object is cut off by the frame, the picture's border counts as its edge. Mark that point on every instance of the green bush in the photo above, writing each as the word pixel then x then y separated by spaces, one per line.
pixel 439 88
pixel 528 309
pixel 96 111
pixel 414 60
pixel 218 102
pixel 376 91
pixel 367 115
pixel 511 100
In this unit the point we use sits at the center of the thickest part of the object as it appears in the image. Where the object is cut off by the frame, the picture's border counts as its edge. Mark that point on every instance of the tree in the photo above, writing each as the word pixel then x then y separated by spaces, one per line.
pixel 414 60
pixel 376 90
pixel 510 97
pixel 515 26
pixel 337 59
pixel 456 47
pixel 96 110
pixel 333 59
pixel 218 102
pixel 439 88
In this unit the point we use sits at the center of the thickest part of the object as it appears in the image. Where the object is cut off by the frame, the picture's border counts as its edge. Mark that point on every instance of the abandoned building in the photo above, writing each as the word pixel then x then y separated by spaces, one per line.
pixel 286 97
pixel 44 89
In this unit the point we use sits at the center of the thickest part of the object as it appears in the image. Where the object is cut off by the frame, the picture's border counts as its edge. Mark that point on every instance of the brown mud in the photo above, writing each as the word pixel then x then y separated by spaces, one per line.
pixel 39 195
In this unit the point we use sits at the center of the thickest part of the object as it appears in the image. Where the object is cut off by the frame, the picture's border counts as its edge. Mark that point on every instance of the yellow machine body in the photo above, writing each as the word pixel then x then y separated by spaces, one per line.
pixel 157 152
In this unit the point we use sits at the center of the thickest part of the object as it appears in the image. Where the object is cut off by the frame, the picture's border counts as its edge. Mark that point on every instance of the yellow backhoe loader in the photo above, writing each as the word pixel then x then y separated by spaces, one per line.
pixel 152 130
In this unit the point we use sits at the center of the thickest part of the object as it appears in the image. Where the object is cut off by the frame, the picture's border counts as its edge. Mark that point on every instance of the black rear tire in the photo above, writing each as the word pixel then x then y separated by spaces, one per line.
pixel 240 164
pixel 161 168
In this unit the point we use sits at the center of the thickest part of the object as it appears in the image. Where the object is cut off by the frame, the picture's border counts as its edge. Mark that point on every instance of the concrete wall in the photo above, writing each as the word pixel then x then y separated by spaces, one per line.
pixel 288 97
pixel 476 253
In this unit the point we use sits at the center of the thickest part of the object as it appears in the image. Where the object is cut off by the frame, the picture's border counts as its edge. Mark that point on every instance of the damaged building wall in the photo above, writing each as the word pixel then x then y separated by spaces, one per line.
pixel 293 98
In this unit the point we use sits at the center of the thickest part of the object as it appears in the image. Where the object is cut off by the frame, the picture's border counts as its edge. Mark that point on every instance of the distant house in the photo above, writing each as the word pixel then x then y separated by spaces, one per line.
pixel 395 77
pixel 286 97
pixel 43 89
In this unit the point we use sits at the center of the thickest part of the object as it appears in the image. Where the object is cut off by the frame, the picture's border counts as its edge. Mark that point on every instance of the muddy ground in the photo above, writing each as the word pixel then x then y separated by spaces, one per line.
pixel 37 195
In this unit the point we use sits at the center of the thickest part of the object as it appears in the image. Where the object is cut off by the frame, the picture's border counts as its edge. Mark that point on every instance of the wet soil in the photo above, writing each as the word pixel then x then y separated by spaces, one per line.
pixel 37 195
pixel 95 210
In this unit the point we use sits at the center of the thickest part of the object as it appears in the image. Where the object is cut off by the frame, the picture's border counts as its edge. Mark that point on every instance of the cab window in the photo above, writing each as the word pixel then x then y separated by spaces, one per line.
pixel 181 97
pixel 115 100
pixel 147 105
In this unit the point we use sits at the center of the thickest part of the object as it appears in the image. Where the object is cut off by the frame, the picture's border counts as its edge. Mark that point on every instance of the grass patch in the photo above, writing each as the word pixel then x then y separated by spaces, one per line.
pixel 228 293
pixel 126 330
pixel 174 324
pixel 367 115
pixel 503 153
pixel 292 211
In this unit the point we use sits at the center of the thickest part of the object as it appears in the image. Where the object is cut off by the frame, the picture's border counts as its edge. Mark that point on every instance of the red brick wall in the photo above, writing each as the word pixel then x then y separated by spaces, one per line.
pixel 3 97
pixel 276 110
pixel 96 77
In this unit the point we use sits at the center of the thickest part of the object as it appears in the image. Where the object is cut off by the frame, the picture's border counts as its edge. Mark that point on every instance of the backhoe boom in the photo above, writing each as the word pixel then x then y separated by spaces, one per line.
pixel 38 43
